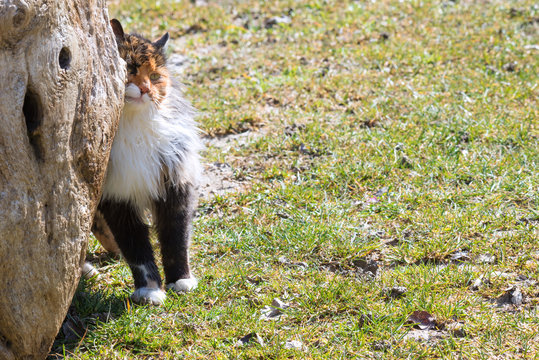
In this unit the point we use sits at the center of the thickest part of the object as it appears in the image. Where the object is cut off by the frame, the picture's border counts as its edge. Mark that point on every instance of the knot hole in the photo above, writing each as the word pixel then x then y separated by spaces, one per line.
pixel 64 59
pixel 33 115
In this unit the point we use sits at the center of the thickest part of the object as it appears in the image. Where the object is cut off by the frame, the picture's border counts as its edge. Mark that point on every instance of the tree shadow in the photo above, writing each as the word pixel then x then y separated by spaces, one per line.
pixel 88 308
pixel 102 258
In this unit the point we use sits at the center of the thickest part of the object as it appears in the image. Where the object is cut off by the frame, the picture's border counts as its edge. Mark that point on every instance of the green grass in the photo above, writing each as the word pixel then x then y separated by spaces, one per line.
pixel 396 133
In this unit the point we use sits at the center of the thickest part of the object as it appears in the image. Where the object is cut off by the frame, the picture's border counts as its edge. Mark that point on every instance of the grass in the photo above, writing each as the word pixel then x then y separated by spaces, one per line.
pixel 395 144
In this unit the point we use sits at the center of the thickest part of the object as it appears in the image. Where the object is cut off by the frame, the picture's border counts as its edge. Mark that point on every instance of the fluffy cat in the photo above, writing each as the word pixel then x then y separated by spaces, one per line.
pixel 154 164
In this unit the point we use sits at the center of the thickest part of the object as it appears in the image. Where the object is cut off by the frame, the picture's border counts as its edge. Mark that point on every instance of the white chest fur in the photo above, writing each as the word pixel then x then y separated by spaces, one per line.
pixel 150 144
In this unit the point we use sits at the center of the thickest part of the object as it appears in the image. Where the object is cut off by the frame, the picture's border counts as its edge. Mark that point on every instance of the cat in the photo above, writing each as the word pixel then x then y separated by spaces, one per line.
pixel 154 165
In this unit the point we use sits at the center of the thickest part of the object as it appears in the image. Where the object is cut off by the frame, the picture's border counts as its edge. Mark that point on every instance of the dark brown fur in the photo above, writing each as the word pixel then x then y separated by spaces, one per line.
pixel 121 211
pixel 144 59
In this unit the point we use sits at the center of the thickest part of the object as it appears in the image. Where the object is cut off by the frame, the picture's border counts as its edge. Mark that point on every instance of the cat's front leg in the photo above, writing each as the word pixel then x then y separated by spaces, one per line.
pixel 148 280
pixel 174 216
pixel 133 238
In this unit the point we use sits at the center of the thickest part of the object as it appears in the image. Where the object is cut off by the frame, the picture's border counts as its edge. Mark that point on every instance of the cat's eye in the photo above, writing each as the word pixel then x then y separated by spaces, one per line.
pixel 155 76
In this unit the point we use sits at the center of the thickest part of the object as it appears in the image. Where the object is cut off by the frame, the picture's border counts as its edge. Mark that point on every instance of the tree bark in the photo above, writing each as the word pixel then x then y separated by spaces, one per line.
pixel 61 93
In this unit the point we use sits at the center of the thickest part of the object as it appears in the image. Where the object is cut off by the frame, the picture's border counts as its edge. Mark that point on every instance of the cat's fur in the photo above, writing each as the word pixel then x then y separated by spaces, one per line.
pixel 154 164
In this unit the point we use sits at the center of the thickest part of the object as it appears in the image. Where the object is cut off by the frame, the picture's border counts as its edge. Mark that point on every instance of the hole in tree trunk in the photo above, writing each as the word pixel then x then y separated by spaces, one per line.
pixel 6 342
pixel 64 59
pixel 33 116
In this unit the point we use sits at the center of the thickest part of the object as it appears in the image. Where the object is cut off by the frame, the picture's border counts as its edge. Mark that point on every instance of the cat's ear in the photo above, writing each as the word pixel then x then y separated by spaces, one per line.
pixel 117 29
pixel 162 42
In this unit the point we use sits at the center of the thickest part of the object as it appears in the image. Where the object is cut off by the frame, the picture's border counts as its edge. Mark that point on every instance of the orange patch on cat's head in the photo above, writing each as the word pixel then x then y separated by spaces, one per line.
pixel 152 80
pixel 146 62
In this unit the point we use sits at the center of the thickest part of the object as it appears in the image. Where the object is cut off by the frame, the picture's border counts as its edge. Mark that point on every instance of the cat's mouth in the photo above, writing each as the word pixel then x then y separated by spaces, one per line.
pixel 144 98
pixel 133 95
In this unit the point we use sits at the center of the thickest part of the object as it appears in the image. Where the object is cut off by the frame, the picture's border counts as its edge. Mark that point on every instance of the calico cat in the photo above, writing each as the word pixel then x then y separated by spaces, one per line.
pixel 154 164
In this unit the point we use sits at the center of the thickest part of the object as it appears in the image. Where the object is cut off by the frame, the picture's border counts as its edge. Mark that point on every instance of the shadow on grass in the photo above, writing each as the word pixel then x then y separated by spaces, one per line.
pixel 88 308
pixel 102 258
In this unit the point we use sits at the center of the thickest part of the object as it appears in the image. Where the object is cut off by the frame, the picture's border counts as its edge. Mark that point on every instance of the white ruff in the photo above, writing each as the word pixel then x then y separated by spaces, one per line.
pixel 149 144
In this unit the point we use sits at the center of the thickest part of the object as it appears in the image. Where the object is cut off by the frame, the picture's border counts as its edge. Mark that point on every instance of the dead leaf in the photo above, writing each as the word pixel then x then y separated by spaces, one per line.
pixel 365 265
pixel 332 266
pixel 275 311
pixel 381 345
pixel 193 29
pixel 510 66
pixel 271 22
pixel 422 320
pixel 512 295
pixel 300 264
pixel 250 338
pixel 486 259
pixel 293 129
pixel 365 319
pixel 276 303
pixel 477 283
pixel 255 280
pixel 384 36
pixel 368 122
pixel 394 292
pixel 460 256
pixel 294 344
pixel 284 260
pixel 405 162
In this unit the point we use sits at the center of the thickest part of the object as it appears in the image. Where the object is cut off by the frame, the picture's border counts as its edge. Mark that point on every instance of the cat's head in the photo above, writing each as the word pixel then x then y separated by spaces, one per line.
pixel 148 79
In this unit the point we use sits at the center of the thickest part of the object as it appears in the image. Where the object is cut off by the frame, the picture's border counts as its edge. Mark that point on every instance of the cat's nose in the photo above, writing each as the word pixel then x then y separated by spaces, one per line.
pixel 143 89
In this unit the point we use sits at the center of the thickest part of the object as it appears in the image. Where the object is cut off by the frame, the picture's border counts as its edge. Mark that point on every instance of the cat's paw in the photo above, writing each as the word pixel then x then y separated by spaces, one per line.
pixel 150 296
pixel 184 285
pixel 89 271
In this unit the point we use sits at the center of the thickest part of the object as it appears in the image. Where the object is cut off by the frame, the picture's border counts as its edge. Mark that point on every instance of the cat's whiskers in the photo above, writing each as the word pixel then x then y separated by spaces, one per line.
pixel 158 100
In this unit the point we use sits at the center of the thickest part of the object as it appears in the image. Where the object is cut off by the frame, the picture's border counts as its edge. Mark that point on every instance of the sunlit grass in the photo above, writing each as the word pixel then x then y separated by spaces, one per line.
pixel 401 134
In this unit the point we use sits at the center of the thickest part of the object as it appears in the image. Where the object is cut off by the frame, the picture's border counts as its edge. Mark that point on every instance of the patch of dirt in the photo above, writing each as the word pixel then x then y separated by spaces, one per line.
pixel 218 178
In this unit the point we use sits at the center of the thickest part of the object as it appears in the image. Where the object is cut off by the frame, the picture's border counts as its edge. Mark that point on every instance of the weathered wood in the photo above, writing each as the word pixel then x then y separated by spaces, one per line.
pixel 61 93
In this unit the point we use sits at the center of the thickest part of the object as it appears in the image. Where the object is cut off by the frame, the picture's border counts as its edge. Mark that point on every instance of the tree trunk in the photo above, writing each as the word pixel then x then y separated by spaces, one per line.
pixel 61 92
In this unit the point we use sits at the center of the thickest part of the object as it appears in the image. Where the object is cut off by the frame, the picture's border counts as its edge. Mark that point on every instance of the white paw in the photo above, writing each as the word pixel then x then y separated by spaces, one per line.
pixel 150 296
pixel 89 271
pixel 184 285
